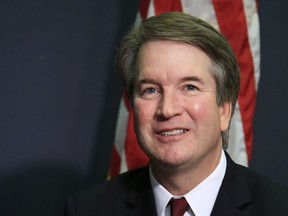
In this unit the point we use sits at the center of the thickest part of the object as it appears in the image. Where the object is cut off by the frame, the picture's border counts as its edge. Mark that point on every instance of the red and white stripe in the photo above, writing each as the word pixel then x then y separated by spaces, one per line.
pixel 238 21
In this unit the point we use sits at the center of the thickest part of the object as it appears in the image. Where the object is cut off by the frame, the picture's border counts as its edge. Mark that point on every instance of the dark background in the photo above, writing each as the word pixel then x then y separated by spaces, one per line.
pixel 59 98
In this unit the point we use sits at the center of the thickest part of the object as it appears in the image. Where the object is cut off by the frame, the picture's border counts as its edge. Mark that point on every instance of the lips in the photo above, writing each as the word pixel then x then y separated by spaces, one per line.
pixel 173 132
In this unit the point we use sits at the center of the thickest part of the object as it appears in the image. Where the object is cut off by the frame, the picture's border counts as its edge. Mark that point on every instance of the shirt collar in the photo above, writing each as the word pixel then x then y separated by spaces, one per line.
pixel 162 196
pixel 201 199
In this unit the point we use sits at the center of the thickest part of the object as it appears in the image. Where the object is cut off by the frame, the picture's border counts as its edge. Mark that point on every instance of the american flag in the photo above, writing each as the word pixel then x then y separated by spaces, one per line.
pixel 238 20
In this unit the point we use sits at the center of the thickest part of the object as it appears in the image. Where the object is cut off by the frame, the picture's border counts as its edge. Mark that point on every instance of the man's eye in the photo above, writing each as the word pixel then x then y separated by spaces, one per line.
pixel 191 87
pixel 149 91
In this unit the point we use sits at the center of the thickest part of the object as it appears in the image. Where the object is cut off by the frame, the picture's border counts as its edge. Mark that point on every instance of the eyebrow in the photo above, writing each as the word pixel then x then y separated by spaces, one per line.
pixel 192 78
pixel 184 79
pixel 144 81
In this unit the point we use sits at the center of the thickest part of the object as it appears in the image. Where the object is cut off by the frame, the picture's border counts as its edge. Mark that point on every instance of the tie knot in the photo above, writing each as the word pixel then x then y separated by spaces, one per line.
pixel 178 206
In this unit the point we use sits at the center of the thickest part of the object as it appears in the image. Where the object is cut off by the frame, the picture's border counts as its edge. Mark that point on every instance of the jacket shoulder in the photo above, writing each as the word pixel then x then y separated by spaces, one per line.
pixel 253 192
pixel 264 188
pixel 110 194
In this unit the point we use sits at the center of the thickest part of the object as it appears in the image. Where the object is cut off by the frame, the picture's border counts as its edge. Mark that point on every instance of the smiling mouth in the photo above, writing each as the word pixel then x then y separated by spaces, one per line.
pixel 173 132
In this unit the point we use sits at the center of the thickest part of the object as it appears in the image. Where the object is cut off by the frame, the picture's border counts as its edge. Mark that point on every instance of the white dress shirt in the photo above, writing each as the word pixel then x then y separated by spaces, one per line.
pixel 201 199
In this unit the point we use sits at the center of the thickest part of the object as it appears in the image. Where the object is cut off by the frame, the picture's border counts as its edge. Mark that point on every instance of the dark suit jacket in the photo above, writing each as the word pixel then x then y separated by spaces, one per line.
pixel 243 192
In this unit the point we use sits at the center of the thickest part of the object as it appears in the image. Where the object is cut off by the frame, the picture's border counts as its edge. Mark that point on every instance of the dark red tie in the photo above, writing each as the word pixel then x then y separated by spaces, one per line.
pixel 178 206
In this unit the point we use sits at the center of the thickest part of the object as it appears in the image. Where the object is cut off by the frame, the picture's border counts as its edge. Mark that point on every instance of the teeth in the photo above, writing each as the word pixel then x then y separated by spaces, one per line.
pixel 173 132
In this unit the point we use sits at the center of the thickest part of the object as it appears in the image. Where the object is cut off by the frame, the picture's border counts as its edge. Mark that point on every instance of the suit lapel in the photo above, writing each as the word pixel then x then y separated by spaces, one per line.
pixel 234 192
pixel 140 198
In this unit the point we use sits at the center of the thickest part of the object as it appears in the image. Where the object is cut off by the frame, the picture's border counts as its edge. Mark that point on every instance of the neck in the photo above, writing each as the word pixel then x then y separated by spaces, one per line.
pixel 179 180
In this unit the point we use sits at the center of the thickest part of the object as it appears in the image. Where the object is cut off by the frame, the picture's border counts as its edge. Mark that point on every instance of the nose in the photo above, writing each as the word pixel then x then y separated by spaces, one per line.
pixel 169 105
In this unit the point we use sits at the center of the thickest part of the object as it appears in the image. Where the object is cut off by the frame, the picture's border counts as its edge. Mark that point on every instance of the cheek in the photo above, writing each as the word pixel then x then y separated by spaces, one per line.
pixel 143 120
pixel 197 107
pixel 143 112
pixel 197 110
pixel 203 110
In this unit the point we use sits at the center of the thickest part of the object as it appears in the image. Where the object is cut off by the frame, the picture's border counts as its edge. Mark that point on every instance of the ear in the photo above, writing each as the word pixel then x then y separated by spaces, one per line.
pixel 225 112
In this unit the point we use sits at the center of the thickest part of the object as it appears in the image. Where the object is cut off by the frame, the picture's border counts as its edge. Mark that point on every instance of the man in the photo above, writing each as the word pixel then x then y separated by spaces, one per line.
pixel 182 80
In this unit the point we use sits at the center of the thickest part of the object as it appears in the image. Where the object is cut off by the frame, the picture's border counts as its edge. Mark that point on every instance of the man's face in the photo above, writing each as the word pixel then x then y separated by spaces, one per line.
pixel 177 120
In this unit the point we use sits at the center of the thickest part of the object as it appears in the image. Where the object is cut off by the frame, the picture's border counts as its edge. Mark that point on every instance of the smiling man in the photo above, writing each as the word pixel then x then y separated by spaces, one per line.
pixel 178 122
pixel 182 80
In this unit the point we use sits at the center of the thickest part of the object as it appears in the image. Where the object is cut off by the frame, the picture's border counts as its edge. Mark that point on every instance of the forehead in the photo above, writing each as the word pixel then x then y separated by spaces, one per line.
pixel 170 59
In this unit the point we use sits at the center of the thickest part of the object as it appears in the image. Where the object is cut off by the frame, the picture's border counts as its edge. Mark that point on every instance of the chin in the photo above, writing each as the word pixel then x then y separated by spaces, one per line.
pixel 172 161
